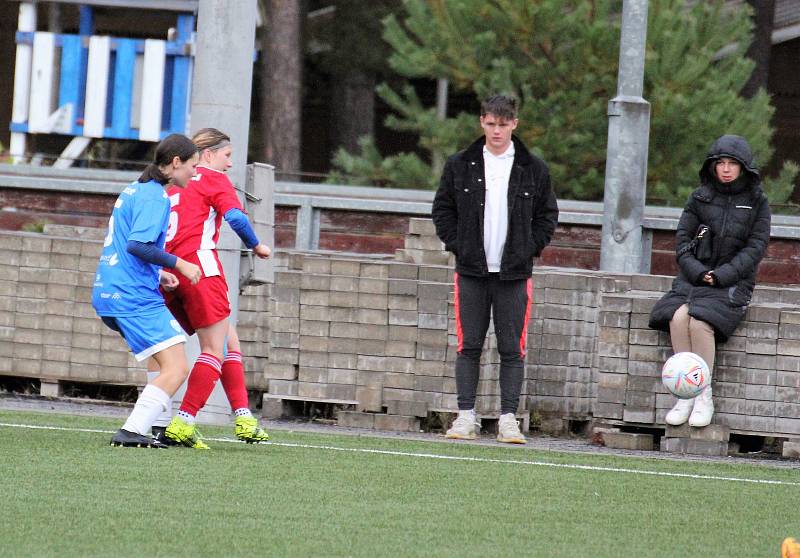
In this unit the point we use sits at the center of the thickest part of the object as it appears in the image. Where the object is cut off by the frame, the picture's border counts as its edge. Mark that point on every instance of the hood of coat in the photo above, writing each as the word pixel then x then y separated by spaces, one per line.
pixel 735 147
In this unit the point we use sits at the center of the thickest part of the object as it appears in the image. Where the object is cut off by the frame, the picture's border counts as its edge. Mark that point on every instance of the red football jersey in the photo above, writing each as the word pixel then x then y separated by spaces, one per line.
pixel 196 215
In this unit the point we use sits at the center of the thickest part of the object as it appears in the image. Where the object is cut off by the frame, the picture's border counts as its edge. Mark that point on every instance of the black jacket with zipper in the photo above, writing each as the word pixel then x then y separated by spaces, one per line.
pixel 738 217
pixel 458 210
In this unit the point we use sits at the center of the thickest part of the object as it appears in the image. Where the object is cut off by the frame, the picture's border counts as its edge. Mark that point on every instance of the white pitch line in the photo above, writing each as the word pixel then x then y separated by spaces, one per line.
pixel 454 458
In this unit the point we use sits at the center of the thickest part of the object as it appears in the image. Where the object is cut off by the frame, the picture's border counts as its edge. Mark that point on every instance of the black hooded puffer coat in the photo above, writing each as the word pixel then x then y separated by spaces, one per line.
pixel 738 216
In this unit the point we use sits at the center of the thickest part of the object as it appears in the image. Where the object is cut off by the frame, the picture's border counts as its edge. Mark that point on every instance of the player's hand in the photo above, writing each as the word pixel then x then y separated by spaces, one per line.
pixel 168 280
pixel 262 251
pixel 709 278
pixel 189 270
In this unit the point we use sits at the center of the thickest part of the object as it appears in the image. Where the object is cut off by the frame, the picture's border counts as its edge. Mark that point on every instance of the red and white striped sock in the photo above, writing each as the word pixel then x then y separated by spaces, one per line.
pixel 233 383
pixel 204 376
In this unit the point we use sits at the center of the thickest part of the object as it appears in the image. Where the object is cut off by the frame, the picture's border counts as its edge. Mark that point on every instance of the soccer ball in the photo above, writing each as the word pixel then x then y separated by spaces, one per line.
pixel 685 375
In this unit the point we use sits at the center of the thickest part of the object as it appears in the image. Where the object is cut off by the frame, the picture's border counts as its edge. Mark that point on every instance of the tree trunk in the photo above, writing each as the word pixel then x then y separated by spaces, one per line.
pixel 282 59
pixel 760 48
pixel 353 110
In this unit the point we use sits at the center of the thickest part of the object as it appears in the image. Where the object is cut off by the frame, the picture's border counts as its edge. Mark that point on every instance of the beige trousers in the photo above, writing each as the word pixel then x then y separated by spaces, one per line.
pixel 693 335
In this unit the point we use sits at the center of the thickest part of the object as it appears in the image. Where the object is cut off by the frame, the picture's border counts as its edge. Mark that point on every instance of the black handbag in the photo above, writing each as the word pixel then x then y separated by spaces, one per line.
pixel 701 244
pixel 702 249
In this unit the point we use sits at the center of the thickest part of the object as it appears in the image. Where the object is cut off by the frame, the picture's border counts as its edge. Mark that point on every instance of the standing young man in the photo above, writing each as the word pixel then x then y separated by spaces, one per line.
pixel 496 211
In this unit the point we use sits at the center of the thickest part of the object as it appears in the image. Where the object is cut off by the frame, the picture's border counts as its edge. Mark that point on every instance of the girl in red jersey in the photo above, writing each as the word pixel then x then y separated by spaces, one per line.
pixel 195 220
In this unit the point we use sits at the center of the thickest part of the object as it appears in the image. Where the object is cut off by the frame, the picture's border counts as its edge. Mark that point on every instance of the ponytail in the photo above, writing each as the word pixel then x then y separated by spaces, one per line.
pixel 174 145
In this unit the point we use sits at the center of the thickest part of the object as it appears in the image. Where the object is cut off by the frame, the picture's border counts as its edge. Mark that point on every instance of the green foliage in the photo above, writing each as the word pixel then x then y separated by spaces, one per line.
pixel 779 189
pixel 560 59
pixel 370 168
pixel 36 226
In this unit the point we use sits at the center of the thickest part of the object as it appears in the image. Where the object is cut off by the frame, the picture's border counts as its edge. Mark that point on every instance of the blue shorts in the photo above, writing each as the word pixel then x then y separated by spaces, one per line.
pixel 147 334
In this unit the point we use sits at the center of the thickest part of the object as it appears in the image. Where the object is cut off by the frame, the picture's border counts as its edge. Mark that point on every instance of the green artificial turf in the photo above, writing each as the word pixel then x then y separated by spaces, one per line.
pixel 67 493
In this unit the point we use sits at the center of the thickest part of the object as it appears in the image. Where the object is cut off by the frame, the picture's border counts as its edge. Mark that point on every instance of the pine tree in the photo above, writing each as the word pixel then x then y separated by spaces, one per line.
pixel 560 58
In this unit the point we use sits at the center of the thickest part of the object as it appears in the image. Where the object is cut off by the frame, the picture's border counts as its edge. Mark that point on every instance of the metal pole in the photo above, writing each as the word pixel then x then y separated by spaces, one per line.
pixel 626 161
pixel 442 85
pixel 221 88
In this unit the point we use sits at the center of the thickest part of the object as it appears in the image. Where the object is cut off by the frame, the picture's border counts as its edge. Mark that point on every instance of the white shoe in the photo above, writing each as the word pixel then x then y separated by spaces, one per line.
pixel 703 409
pixel 680 412
pixel 508 430
pixel 465 427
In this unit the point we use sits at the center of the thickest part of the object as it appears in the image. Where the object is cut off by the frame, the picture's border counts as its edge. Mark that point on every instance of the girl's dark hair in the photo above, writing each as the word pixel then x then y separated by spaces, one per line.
pixel 174 145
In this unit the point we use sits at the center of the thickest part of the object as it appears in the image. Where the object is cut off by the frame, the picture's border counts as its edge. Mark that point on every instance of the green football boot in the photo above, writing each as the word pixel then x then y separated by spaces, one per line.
pixel 248 430
pixel 185 434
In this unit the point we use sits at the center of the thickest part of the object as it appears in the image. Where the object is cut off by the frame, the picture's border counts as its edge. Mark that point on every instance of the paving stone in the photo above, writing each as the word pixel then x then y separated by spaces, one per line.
pixel 401 349
pixel 315 282
pixel 610 395
pixel 374 271
pixel 402 302
pixel 791 450
pixel 284 340
pixel 280 371
pixel 403 271
pixel 408 408
pixel 397 423
pixel 639 414
pixel 345 267
pixel 356 419
pixel 341 376
pixel 694 447
pixel 342 360
pixel 712 432
pixel 369 399
pixel 283 387
pixel 343 329
pixel 284 356
pixel 373 286
pixel 628 440
pixel 436 274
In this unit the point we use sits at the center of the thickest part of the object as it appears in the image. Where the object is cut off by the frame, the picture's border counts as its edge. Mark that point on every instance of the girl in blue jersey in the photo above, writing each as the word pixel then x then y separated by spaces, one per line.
pixel 126 294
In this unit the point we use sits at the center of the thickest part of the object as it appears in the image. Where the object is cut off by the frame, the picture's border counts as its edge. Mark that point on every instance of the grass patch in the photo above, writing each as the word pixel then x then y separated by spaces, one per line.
pixel 68 493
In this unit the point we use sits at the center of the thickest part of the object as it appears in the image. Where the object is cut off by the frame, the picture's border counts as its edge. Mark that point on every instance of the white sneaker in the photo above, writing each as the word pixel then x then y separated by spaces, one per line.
pixel 703 409
pixel 680 412
pixel 465 427
pixel 508 430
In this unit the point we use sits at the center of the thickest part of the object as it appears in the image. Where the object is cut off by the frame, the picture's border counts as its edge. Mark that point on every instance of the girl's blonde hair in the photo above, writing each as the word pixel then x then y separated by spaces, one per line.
pixel 210 138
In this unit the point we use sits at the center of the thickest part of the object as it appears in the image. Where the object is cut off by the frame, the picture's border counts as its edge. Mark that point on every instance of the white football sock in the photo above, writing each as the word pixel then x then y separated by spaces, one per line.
pixel 151 403
pixel 165 417
pixel 243 412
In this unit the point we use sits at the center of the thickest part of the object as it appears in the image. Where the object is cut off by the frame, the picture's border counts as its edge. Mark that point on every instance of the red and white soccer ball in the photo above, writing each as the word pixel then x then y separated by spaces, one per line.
pixel 685 375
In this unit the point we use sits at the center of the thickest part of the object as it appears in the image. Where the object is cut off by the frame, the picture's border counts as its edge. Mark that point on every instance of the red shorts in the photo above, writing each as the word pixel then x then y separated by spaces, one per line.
pixel 201 305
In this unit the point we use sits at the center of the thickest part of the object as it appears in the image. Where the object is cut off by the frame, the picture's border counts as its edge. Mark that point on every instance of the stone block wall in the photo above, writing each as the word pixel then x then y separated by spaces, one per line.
pixel 48 328
pixel 378 333
pixel 756 378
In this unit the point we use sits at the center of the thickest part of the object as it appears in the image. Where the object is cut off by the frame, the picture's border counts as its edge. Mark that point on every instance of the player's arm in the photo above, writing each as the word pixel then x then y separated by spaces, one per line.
pixel 241 226
pixel 150 253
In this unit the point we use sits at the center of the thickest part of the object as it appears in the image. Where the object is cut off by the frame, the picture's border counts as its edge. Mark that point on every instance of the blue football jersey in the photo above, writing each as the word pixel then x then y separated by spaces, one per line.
pixel 125 285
